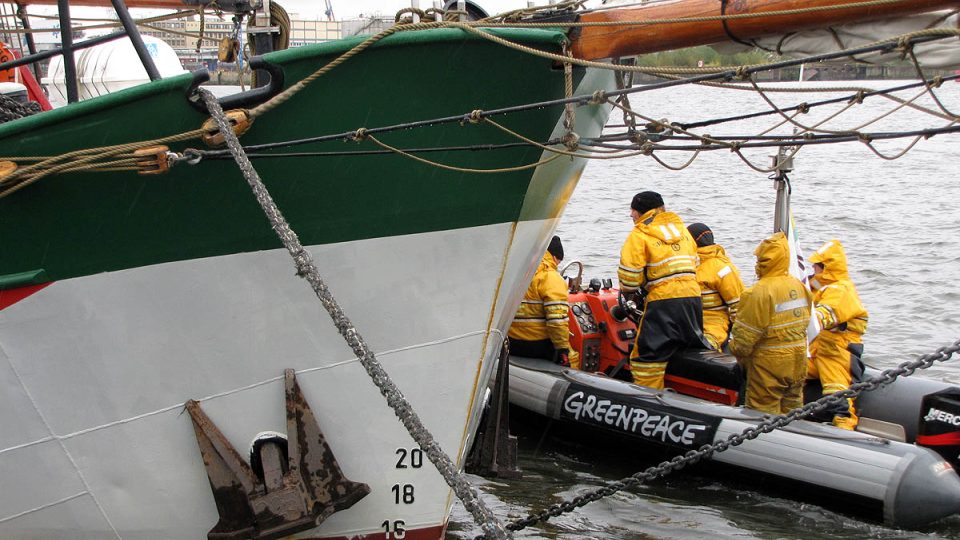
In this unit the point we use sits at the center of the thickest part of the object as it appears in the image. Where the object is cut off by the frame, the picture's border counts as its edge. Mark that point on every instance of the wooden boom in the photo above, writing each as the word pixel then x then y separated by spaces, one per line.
pixel 596 42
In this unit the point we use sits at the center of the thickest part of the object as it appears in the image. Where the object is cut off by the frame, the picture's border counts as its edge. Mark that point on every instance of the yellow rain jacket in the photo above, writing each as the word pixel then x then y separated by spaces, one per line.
pixel 661 256
pixel 769 335
pixel 843 320
pixel 720 289
pixel 544 311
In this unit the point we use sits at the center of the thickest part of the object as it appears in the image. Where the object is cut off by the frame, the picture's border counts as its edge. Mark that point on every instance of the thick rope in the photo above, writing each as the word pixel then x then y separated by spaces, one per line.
pixel 307 269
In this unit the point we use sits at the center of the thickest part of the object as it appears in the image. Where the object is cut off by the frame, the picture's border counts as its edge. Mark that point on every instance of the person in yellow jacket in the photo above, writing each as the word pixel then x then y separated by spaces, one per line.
pixel 769 335
pixel 843 321
pixel 541 327
pixel 660 258
pixel 720 286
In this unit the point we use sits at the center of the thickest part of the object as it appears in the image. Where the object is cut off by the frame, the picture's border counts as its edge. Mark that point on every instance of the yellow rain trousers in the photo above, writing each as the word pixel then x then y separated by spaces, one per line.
pixel 544 311
pixel 720 289
pixel 660 256
pixel 843 320
pixel 769 335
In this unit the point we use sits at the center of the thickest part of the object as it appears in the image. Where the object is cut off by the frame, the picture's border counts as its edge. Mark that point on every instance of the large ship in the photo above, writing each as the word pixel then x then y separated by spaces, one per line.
pixel 165 372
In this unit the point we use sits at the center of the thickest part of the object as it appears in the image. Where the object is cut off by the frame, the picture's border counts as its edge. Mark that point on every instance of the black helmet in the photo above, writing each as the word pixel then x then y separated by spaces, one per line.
pixel 555 248
pixel 701 234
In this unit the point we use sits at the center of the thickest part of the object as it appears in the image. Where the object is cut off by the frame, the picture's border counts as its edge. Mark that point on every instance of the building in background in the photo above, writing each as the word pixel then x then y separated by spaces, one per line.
pixel 302 32
pixel 367 25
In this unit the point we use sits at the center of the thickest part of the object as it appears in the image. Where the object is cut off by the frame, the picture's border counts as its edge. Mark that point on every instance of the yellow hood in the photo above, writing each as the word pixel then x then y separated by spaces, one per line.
pixel 548 263
pixel 834 262
pixel 710 252
pixel 773 256
pixel 664 226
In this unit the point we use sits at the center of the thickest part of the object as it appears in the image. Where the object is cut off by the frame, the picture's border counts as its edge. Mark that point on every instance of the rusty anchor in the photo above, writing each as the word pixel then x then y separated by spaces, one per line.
pixel 283 496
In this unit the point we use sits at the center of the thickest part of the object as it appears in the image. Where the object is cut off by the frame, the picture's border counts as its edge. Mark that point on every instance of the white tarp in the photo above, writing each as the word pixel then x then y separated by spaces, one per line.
pixel 940 54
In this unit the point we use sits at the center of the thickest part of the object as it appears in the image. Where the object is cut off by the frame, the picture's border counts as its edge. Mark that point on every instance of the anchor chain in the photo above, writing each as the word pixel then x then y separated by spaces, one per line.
pixel 306 269
pixel 766 426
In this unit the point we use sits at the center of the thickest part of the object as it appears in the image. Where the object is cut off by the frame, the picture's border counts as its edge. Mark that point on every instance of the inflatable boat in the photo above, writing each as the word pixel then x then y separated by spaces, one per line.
pixel 897 468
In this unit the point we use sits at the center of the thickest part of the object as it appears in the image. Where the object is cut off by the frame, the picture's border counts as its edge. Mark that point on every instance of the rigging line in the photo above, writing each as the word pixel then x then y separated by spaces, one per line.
pixel 458 169
pixel 819 139
pixel 929 87
pixel 816 127
pixel 675 168
pixel 547 148
pixel 206 154
pixel 759 169
pixel 869 145
pixel 871 93
pixel 906 103
pixel 661 123
pixel 794 122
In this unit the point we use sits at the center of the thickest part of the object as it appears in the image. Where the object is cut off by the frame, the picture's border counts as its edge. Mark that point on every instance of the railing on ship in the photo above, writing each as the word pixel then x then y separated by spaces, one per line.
pixel 67 46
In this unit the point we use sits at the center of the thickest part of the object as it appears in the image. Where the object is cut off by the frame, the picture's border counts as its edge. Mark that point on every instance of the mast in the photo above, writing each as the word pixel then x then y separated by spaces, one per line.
pixel 781 211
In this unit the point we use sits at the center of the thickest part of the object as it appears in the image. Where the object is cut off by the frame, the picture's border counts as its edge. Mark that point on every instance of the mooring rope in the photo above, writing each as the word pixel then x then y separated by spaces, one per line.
pixel 306 269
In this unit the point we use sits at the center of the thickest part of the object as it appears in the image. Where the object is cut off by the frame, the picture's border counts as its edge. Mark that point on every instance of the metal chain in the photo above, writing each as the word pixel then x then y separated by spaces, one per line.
pixel 766 426
pixel 306 269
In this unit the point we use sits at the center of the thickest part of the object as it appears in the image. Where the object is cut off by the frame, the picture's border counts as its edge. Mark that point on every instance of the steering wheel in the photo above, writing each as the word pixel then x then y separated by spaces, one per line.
pixel 627 309
pixel 576 281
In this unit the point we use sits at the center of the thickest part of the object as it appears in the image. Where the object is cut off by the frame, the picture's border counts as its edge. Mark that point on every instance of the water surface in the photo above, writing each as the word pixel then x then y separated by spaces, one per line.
pixel 898 223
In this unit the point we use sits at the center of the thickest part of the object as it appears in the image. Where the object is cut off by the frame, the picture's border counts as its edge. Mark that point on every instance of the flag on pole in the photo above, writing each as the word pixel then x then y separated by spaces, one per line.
pixel 800 270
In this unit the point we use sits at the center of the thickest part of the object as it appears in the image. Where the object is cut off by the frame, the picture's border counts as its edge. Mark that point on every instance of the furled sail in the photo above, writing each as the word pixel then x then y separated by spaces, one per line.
pixel 934 55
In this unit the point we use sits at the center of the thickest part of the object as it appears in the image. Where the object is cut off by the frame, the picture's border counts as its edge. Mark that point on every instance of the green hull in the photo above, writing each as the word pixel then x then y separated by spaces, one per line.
pixel 83 223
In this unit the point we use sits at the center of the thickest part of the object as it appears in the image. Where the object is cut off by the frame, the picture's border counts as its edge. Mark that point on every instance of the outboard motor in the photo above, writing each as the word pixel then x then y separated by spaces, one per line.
pixel 939 426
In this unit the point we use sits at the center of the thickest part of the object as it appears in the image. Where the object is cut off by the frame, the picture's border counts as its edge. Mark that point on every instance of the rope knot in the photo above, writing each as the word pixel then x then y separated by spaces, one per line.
pixel 864 138
pixel 647 148
pixel 598 98
pixel 741 73
pixel 936 82
pixel 360 134
pixel 638 137
pixel 858 97
pixel 571 140
pixel 475 116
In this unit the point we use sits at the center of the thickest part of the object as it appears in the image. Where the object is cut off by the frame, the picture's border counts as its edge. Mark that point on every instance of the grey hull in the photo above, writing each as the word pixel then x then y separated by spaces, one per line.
pixel 909 486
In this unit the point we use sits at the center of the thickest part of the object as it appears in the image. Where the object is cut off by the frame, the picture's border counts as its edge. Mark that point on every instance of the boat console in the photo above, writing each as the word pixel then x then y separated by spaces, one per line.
pixel 604 336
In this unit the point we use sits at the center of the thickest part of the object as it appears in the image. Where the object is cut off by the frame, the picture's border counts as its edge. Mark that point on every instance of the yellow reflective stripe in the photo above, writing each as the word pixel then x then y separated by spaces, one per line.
pixel 754 329
pixel 688 258
pixel 792 304
pixel 798 344
pixel 651 368
pixel 671 276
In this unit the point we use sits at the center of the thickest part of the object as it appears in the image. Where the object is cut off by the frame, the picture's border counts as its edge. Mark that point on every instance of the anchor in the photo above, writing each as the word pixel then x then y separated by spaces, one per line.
pixel 280 497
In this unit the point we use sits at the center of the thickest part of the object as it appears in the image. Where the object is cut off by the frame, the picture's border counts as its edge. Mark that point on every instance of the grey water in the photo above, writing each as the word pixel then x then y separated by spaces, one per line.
pixel 898 222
